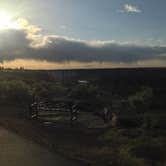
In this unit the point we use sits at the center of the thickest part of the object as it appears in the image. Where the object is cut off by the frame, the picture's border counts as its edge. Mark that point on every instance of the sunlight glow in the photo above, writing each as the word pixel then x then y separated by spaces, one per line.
pixel 7 22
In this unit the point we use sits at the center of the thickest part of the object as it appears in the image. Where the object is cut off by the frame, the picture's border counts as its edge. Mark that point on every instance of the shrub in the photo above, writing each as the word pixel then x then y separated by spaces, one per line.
pixel 83 92
pixel 126 159
pixel 114 137
pixel 141 100
pixel 14 92
pixel 149 149
pixel 154 121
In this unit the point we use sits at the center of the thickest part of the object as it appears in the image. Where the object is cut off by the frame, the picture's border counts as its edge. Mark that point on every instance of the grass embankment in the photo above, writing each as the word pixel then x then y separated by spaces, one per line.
pixel 73 142
pixel 113 146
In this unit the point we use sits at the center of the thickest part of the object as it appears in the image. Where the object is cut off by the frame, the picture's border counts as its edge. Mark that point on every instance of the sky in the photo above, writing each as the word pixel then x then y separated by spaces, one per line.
pixel 82 33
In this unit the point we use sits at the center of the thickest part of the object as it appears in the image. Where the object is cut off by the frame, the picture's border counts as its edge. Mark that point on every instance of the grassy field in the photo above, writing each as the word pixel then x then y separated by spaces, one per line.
pixel 136 138
pixel 93 145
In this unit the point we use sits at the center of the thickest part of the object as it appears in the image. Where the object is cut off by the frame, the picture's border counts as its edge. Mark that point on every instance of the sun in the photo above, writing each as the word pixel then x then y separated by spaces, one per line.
pixel 6 21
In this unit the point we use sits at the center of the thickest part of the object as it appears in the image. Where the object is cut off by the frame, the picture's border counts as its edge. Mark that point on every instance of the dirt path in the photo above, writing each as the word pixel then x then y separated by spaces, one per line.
pixel 17 151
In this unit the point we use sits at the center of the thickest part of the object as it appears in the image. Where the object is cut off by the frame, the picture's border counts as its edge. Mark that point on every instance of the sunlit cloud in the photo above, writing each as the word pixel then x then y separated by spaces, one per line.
pixel 33 33
pixel 131 9
pixel 27 45
pixel 43 64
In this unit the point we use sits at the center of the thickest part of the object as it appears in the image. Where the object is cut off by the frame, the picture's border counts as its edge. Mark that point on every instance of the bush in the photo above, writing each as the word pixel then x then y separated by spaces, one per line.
pixel 114 138
pixel 48 90
pixel 126 159
pixel 152 121
pixel 131 121
pixel 141 100
pixel 83 92
pixel 149 149
pixel 14 92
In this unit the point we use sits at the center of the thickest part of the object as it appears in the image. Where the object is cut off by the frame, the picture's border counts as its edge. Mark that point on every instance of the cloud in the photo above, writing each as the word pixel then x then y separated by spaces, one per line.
pixel 28 43
pixel 131 9
pixel 40 64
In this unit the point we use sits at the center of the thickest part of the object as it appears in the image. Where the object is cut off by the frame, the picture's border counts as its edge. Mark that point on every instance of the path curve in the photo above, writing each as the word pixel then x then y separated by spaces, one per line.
pixel 17 151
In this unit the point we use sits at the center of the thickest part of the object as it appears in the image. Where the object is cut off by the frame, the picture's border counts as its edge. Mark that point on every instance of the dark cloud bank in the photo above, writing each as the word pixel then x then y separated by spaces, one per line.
pixel 17 44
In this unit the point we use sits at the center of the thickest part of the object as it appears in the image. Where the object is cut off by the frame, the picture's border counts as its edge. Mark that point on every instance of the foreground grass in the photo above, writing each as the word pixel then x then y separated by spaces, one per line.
pixel 113 146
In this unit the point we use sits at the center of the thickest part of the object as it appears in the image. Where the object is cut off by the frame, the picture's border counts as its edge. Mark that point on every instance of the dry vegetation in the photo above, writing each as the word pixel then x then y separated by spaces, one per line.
pixel 138 137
